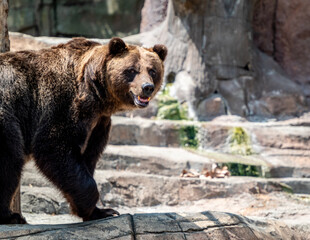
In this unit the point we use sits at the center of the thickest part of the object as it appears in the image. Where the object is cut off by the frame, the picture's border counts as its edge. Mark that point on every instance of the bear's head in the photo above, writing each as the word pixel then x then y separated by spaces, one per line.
pixel 129 75
pixel 135 74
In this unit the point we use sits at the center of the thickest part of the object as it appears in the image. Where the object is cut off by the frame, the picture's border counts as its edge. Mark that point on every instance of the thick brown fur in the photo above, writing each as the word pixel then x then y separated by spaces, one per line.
pixel 56 106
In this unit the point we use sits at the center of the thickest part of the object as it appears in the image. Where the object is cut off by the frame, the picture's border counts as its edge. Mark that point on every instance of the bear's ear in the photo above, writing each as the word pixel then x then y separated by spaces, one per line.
pixel 117 45
pixel 161 51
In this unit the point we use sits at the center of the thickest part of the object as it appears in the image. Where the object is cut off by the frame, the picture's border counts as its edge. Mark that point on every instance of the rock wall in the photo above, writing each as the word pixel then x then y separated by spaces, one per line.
pixel 153 12
pixel 250 57
pixel 89 18
pixel 281 31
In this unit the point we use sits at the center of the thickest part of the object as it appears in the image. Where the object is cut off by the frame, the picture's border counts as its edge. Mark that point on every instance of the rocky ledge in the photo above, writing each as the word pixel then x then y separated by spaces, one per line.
pixel 204 225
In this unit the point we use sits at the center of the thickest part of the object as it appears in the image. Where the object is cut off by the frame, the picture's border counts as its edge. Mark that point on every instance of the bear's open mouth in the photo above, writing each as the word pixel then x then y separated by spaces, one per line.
pixel 140 101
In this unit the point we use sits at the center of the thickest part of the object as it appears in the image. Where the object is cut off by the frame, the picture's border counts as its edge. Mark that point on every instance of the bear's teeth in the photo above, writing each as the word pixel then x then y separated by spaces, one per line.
pixel 143 99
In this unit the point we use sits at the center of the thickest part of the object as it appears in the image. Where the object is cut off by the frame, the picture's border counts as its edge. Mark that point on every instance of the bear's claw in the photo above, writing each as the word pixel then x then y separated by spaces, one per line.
pixel 101 213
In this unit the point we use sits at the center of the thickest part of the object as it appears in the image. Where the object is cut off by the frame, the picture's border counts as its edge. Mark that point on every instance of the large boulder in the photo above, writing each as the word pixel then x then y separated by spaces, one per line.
pixel 204 225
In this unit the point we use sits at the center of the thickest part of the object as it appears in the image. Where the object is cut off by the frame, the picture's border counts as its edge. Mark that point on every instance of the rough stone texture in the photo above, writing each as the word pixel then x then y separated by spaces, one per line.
pixel 280 31
pixel 282 147
pixel 142 190
pixel 43 200
pixel 211 107
pixel 204 225
pixel 130 192
pixel 103 18
pixel 151 160
pixel 153 13
pixel 264 20
pixel 133 190
pixel 221 56
pixel 154 133
pixel 113 228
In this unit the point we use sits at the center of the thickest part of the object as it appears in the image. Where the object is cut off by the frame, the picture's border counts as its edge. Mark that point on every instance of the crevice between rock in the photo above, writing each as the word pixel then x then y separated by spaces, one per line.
pixel 133 227
pixel 190 230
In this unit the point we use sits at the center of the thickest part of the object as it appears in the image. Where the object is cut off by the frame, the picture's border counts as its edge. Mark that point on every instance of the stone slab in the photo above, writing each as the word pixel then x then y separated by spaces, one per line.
pixel 152 160
pixel 113 228
pixel 160 226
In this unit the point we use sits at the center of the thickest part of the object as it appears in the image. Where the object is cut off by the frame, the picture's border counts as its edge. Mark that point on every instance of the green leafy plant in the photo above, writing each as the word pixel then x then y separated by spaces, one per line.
pixel 238 169
pixel 188 136
pixel 240 142
pixel 169 107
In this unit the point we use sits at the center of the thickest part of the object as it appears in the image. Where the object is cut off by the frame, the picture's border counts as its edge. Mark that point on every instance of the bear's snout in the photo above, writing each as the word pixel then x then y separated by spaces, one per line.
pixel 147 89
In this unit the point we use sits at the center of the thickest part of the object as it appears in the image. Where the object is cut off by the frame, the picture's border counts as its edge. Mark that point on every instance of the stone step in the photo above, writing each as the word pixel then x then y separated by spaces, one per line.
pixel 164 161
pixel 282 146
pixel 131 192
pixel 152 160
pixel 171 161
pixel 137 189
pixel 139 131
pixel 123 190
pixel 142 131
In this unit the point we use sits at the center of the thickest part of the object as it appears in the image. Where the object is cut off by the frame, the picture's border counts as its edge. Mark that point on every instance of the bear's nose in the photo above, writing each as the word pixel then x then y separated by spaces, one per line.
pixel 147 89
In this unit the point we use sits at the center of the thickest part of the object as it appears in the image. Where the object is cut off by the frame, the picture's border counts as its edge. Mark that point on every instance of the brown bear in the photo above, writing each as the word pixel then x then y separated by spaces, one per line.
pixel 56 106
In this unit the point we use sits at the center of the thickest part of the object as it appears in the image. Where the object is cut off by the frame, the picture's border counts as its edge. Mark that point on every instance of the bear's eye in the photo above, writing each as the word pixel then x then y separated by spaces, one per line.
pixel 152 73
pixel 130 74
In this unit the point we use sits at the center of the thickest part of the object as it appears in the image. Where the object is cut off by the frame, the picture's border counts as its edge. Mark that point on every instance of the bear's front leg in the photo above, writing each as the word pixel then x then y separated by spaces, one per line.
pixel 60 160
pixel 78 186
pixel 96 144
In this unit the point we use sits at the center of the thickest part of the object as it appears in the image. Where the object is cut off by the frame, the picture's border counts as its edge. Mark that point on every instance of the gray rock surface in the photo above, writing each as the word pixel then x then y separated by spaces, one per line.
pixel 114 228
pixel 204 225
pixel 129 189
pixel 279 32
pixel 146 132
pixel 151 160
pixel 212 46
pixel 282 147
pixel 138 190
pixel 153 13
pixel 101 19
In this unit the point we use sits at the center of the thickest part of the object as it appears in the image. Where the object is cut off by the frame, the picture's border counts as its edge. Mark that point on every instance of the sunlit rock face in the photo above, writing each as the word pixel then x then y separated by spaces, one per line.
pixel 252 54
pixel 280 30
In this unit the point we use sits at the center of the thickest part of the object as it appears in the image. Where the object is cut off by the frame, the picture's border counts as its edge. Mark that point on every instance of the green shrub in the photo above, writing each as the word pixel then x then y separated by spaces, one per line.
pixel 240 142
pixel 169 107
pixel 188 136
pixel 238 169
